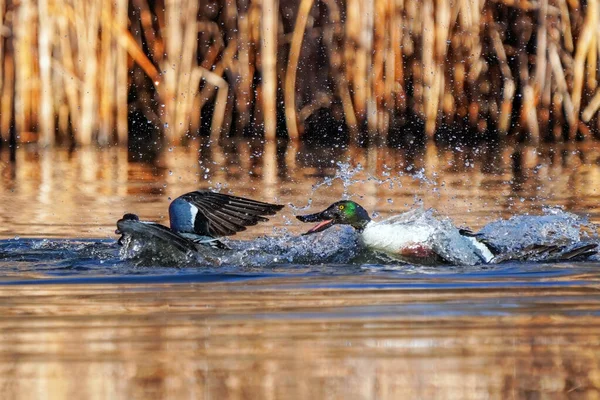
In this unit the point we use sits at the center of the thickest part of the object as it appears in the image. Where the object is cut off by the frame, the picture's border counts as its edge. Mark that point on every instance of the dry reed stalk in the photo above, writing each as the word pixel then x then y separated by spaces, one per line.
pixel 561 82
pixel 290 76
pixel 186 89
pixel 215 80
pixel 546 99
pixel 375 51
pixel 376 119
pixel 7 97
pixel 106 74
pixel 592 64
pixel 211 29
pixel 334 43
pixel 565 20
pixel 592 108
pixel 71 82
pixel 470 19
pixel 509 83
pixel 170 66
pixel 530 113
pixel 87 45
pixel 120 25
pixel 442 28
pixel 428 35
pixel 5 81
pixel 392 44
pixel 231 16
pixel 590 26
pixel 128 43
pixel 268 55
pixel 218 84
pixel 46 106
pixel 3 33
pixel 153 40
pixel 180 47
pixel 365 65
pixel 398 83
pixel 245 73
pixel 358 39
pixel 256 115
pixel 541 53
pixel 24 78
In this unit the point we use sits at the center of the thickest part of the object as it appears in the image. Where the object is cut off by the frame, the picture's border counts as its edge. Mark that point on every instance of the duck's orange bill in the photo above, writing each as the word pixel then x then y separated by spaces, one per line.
pixel 321 226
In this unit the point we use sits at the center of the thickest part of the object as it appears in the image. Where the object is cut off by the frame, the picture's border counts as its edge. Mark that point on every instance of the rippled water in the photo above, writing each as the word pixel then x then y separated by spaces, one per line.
pixel 80 322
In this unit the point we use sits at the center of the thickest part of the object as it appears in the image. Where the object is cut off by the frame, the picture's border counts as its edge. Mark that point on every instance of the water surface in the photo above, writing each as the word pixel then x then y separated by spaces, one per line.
pixel 79 322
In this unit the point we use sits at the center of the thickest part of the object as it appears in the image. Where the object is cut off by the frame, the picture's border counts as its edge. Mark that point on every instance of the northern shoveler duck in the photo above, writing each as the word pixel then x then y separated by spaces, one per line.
pixel 199 218
pixel 419 237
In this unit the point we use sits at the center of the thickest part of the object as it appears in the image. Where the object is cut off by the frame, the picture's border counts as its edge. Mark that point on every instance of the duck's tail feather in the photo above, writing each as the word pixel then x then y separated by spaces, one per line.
pixel 549 253
pixel 212 243
pixel 480 238
pixel 580 253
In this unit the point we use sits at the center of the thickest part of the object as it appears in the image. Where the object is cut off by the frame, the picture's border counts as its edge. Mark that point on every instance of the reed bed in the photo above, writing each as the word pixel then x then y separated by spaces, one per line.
pixel 101 71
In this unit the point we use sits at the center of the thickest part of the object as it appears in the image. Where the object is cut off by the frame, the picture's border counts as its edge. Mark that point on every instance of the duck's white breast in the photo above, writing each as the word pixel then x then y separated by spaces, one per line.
pixel 392 238
pixel 419 233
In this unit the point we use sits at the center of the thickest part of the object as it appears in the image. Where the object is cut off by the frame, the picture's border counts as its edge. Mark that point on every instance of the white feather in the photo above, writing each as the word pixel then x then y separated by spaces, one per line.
pixel 485 251
pixel 392 238
pixel 193 212
pixel 422 227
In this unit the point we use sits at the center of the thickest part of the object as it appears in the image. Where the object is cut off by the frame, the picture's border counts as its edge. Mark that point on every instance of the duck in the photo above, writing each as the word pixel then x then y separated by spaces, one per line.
pixel 420 237
pixel 198 218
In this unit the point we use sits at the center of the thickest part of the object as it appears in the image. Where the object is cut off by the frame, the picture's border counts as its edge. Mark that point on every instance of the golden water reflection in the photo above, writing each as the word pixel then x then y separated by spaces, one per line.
pixel 239 341
pixel 286 338
pixel 54 193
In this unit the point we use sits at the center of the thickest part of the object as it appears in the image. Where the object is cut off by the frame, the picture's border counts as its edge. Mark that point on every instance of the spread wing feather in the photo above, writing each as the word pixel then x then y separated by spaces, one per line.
pixel 224 215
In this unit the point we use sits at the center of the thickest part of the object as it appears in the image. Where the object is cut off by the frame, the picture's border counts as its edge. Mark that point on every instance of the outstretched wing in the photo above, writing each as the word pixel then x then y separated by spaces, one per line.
pixel 223 215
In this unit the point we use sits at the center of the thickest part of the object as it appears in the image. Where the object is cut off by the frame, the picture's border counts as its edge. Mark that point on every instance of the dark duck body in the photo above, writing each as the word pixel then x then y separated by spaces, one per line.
pixel 198 219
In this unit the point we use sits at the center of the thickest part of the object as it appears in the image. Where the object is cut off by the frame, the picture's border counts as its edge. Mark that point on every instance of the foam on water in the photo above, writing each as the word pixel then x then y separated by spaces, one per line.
pixel 335 246
pixel 343 245
pixel 554 227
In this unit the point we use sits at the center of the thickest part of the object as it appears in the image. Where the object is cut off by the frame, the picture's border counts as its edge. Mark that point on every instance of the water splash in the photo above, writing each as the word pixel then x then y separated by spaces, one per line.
pixel 555 227
pixel 335 246
pixel 420 176
pixel 301 208
pixel 349 175
pixel 344 173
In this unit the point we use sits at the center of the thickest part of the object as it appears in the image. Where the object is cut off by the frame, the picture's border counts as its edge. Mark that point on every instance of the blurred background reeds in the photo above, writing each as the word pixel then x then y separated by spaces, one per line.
pixel 78 72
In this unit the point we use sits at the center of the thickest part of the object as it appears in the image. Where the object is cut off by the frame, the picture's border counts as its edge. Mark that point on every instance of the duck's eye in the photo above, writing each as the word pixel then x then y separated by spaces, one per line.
pixel 341 207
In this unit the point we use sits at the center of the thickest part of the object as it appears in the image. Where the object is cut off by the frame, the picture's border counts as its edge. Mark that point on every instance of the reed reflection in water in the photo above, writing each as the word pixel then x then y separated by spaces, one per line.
pixel 510 331
pixel 82 193
pixel 285 339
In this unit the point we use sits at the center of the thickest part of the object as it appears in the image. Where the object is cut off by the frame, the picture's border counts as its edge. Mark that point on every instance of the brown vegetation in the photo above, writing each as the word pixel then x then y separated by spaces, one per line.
pixel 89 71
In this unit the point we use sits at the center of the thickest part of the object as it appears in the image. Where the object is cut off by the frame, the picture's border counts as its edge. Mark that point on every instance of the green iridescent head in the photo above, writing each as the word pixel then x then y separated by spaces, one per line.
pixel 344 212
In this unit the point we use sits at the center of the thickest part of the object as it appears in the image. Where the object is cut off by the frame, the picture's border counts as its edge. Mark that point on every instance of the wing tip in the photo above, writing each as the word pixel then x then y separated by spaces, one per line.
pixel 274 209
pixel 228 214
